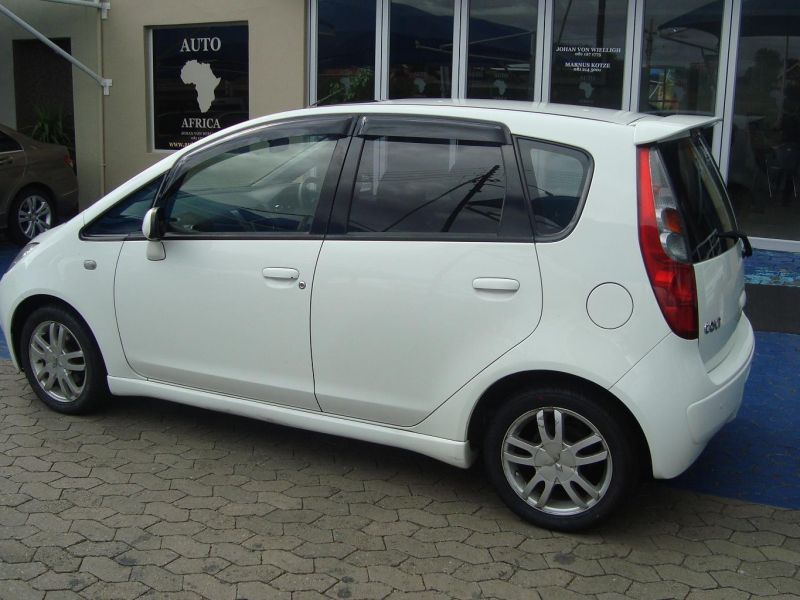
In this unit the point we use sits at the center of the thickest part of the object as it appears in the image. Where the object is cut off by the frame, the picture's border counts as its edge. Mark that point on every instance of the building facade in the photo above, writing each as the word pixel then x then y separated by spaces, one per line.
pixel 738 60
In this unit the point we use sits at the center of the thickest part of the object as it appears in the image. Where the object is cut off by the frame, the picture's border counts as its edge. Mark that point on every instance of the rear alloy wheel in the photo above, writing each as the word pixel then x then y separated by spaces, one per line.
pixel 61 361
pixel 31 214
pixel 558 459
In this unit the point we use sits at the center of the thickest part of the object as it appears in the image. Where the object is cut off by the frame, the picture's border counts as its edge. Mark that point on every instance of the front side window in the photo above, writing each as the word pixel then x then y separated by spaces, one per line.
pixel 556 179
pixel 428 187
pixel 126 215
pixel 270 186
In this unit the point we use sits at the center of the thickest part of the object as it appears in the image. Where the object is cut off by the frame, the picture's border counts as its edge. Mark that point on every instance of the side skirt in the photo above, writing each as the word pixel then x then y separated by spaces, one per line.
pixel 458 454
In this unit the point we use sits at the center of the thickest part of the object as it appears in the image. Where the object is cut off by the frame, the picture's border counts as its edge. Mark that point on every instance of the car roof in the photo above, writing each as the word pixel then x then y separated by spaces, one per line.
pixel 648 128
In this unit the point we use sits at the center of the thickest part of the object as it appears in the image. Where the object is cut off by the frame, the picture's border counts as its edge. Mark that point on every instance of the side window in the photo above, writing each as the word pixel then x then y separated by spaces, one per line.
pixel 126 215
pixel 428 187
pixel 556 179
pixel 8 144
pixel 266 186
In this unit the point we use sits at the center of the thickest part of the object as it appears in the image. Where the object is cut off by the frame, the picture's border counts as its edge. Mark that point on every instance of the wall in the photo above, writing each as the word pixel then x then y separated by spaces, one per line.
pixel 277 50
pixel 81 25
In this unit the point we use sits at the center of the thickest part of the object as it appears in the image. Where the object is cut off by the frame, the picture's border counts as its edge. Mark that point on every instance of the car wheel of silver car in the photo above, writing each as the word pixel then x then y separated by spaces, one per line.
pixel 61 361
pixel 31 213
pixel 559 458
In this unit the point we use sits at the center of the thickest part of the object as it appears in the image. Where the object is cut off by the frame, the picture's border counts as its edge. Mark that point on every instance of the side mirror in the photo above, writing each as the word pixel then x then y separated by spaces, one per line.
pixel 151 225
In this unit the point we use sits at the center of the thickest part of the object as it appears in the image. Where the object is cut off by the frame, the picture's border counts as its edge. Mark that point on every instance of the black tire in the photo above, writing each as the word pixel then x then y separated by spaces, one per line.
pixel 582 416
pixel 53 359
pixel 34 195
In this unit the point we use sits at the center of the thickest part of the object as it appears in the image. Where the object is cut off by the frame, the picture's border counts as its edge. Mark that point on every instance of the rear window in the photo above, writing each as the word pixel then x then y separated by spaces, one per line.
pixel 702 197
pixel 556 179
pixel 439 188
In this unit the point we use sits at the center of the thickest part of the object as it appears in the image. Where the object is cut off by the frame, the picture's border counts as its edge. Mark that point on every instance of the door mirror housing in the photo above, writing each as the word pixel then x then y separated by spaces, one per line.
pixel 151 225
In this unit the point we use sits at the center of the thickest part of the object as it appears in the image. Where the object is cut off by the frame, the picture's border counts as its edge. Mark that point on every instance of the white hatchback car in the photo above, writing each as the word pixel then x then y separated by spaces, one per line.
pixel 560 288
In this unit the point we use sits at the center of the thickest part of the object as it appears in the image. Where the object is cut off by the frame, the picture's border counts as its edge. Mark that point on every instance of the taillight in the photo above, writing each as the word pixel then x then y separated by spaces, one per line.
pixel 68 161
pixel 665 248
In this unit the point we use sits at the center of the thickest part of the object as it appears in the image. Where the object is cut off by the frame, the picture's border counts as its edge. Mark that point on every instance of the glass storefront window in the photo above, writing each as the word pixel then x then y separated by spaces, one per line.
pixel 501 49
pixel 764 168
pixel 680 56
pixel 588 64
pixel 420 48
pixel 345 51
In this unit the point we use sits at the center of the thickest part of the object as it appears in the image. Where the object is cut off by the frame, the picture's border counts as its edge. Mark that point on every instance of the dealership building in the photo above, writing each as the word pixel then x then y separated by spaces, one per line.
pixel 155 75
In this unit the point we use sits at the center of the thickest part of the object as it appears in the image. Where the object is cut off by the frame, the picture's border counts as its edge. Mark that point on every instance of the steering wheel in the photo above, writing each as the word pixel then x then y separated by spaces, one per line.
pixel 307 194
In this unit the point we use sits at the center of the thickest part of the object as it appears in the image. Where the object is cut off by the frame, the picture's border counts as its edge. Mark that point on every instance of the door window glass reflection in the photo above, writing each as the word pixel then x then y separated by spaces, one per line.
pixel 420 48
pixel 680 56
pixel 345 51
pixel 588 52
pixel 502 49
pixel 764 168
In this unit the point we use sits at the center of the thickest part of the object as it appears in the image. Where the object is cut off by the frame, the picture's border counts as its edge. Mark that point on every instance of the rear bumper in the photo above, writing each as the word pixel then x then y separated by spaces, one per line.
pixel 680 405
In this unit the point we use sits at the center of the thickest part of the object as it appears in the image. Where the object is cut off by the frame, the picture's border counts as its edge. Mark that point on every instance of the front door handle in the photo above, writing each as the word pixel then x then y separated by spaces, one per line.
pixel 6 161
pixel 496 284
pixel 280 273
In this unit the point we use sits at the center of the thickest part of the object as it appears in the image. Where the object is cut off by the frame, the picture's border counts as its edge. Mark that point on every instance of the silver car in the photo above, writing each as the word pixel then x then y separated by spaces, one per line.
pixel 38 187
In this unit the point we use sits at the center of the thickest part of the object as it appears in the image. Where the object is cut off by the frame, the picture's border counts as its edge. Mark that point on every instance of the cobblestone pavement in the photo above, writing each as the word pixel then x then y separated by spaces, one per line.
pixel 153 500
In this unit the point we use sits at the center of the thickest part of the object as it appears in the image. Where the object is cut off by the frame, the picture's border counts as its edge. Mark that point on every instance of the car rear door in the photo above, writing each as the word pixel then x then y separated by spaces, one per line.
pixel 712 234
pixel 429 271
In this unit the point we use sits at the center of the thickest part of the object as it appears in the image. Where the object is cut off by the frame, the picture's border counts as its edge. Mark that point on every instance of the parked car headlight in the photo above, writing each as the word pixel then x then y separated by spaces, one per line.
pixel 23 253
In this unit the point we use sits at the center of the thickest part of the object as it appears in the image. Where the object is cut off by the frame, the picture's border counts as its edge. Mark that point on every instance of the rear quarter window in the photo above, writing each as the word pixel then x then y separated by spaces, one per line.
pixel 556 181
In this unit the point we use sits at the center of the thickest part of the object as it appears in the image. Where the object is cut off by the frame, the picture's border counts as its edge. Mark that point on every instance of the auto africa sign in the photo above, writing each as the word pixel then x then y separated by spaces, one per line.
pixel 200 82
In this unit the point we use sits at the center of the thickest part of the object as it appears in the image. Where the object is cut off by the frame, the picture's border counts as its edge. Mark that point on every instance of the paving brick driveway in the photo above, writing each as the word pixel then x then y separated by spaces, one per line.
pixel 154 500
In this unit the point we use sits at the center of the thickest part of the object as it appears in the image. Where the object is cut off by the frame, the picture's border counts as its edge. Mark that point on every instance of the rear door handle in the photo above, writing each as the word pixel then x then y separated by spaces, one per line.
pixel 496 284
pixel 6 161
pixel 280 273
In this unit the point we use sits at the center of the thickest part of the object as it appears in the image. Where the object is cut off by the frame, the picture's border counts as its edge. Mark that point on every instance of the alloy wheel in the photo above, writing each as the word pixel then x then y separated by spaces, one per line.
pixel 34 215
pixel 556 461
pixel 57 361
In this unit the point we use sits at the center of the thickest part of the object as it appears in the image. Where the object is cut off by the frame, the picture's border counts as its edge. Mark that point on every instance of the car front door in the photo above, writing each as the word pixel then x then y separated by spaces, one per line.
pixel 429 271
pixel 227 308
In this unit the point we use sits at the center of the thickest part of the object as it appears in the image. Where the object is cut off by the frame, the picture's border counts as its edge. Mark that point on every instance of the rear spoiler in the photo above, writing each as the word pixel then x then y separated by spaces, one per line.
pixel 651 129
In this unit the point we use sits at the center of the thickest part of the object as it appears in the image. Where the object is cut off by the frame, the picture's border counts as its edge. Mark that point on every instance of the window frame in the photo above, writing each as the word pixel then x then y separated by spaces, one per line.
pixel 515 225
pixel 564 233
pixel 336 124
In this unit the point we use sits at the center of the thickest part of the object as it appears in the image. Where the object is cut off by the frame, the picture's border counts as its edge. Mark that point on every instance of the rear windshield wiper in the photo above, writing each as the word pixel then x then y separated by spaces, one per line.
pixel 735 234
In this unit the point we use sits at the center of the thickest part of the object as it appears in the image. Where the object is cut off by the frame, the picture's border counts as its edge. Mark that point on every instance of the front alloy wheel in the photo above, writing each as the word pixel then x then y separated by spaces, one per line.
pixel 560 457
pixel 61 360
pixel 57 361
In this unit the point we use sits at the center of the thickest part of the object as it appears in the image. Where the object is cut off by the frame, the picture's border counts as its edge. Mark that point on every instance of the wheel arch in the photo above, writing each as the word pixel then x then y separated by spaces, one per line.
pixel 25 308
pixel 496 394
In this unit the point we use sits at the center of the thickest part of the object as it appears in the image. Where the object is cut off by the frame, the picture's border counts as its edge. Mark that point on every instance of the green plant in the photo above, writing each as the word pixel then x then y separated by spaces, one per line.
pixel 49 127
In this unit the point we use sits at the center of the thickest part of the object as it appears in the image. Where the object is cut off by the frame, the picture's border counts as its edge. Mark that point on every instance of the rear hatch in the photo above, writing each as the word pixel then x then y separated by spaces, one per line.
pixel 711 243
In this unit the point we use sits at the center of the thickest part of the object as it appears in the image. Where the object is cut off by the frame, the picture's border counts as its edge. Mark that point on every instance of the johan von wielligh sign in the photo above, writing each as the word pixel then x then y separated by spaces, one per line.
pixel 200 82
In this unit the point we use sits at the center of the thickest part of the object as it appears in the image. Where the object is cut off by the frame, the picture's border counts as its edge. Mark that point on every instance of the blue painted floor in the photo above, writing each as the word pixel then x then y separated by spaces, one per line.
pixel 757 456
pixel 773 268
